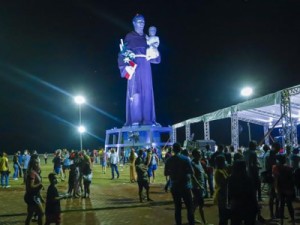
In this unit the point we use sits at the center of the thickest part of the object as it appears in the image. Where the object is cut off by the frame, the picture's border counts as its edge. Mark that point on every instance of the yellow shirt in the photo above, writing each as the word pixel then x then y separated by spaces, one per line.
pixel 221 176
pixel 3 164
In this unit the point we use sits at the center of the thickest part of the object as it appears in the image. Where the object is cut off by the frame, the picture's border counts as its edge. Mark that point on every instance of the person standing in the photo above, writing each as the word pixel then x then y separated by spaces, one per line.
pixel 53 209
pixel 20 159
pixel 45 157
pixel 4 169
pixel 198 183
pixel 220 194
pixel 32 195
pixel 16 166
pixel 114 160
pixel 152 163
pixel 87 178
pixel 142 176
pixel 140 109
pixel 252 165
pixel 103 160
pixel 57 164
pixel 180 170
pixel 270 161
pixel 132 170
pixel 242 195
pixel 25 163
pixel 284 187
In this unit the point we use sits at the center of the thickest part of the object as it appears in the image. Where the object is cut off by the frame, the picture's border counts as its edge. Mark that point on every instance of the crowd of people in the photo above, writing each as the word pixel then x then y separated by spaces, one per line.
pixel 233 178
pixel 238 178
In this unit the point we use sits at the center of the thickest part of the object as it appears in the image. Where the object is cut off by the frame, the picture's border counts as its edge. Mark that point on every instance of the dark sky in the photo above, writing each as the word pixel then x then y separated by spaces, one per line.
pixel 53 50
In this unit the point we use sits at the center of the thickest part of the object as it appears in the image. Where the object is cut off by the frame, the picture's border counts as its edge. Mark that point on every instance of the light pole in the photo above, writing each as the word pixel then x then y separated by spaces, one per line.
pixel 247 92
pixel 80 100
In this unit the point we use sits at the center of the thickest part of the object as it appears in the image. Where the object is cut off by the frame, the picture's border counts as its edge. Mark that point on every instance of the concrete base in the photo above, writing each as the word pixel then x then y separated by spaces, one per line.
pixel 143 136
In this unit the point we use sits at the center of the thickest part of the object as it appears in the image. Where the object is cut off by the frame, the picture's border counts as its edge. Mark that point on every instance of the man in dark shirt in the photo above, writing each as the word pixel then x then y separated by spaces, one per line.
pixel 213 157
pixel 179 168
pixel 270 161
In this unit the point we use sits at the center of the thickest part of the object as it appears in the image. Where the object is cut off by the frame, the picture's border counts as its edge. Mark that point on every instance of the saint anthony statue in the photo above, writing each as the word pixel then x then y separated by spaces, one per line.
pixel 135 66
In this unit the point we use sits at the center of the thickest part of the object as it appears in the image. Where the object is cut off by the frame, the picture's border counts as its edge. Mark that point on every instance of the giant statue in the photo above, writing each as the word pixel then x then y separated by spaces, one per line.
pixel 137 52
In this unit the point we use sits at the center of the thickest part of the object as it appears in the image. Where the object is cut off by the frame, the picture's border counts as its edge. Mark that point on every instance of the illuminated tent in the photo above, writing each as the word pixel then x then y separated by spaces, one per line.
pixel 279 109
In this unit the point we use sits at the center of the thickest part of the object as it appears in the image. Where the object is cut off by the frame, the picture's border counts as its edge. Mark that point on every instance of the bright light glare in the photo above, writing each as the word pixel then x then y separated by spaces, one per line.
pixel 247 91
pixel 79 99
pixel 81 129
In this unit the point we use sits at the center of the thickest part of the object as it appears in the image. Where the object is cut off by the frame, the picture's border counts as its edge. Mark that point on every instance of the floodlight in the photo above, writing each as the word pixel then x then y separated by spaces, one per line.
pixel 81 129
pixel 246 91
pixel 79 99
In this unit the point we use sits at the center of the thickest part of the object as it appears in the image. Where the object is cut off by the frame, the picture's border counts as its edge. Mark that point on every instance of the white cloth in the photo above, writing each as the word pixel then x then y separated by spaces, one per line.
pixel 153 41
pixel 114 158
pixel 151 53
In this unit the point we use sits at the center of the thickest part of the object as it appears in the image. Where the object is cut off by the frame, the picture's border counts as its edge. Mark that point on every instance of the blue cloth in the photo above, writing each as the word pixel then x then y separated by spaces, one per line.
pixel 20 159
pixel 57 170
pixel 16 171
pixel 4 178
pixel 26 159
pixel 114 168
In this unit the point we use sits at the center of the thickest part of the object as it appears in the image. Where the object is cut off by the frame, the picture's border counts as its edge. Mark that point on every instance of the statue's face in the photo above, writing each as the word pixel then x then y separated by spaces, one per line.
pixel 139 25
pixel 152 31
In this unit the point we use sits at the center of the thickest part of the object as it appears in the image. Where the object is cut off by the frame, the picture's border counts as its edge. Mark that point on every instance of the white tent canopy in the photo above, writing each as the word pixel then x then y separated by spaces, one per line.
pixel 266 111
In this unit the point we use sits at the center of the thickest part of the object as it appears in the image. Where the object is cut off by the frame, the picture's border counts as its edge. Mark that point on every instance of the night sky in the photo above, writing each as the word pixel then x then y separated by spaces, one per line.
pixel 53 50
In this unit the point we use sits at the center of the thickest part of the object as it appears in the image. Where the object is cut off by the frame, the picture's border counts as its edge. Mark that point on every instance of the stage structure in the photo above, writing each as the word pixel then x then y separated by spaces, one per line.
pixel 277 110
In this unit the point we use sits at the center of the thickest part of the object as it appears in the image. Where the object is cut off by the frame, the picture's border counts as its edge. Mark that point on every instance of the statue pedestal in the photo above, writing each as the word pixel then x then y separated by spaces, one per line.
pixel 138 136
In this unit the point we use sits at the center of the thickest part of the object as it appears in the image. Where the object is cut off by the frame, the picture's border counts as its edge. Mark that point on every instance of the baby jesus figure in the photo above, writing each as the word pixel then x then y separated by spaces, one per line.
pixel 153 43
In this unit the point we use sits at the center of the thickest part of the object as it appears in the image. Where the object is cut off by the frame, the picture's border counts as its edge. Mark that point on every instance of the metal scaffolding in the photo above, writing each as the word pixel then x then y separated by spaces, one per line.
pixel 206 131
pixel 266 131
pixel 187 131
pixel 234 130
pixel 285 107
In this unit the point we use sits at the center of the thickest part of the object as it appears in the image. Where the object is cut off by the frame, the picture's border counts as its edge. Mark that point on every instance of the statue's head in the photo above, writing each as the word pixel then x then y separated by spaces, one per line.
pixel 138 23
pixel 152 31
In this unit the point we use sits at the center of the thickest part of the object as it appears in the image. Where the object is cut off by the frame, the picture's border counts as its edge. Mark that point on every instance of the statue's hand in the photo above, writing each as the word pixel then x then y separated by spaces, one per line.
pixel 129 72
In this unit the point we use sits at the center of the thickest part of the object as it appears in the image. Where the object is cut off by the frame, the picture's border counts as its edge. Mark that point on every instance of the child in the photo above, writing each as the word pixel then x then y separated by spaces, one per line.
pixel 142 176
pixel 53 202
pixel 153 43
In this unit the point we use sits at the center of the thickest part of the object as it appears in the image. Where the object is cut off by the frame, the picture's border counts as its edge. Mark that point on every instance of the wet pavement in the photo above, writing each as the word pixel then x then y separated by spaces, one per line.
pixel 112 202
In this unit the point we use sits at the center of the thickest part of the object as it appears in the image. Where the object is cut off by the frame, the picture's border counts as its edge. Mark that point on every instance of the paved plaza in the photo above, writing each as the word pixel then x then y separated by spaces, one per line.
pixel 112 202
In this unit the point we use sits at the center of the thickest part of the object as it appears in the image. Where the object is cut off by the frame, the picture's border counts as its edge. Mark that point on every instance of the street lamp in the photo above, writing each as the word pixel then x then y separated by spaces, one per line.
pixel 80 100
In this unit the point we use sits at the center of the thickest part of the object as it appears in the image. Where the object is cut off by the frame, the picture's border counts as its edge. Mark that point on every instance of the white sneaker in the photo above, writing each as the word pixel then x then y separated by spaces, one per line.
pixel 8 186
pixel 16 178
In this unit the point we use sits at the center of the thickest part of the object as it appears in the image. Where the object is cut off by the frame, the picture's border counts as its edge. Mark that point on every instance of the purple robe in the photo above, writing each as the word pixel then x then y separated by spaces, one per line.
pixel 140 107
